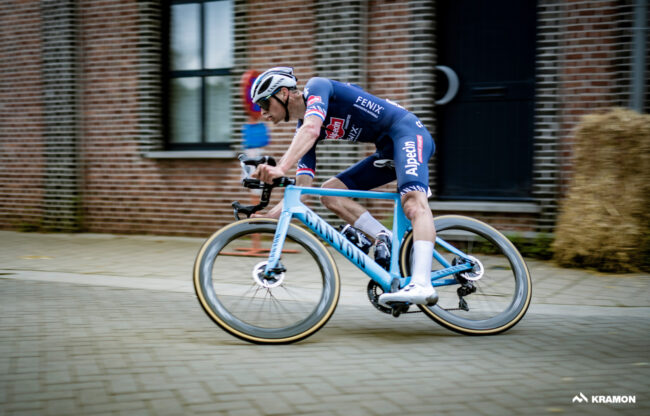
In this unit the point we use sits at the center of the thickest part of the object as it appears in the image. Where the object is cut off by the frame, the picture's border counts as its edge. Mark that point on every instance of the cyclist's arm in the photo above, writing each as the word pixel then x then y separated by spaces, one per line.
pixel 302 142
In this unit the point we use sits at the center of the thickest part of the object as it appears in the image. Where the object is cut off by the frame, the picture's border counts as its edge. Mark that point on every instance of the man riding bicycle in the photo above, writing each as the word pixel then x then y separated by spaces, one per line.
pixel 328 109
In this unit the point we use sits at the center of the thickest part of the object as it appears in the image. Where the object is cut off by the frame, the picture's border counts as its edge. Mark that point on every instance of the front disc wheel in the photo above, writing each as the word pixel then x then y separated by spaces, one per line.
pixel 286 305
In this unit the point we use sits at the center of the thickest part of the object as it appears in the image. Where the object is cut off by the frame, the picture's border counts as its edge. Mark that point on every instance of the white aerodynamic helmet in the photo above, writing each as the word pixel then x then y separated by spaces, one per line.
pixel 271 81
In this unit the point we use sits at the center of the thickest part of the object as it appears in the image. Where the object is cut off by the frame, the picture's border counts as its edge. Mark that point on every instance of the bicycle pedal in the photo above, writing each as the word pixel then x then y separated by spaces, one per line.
pixel 398 308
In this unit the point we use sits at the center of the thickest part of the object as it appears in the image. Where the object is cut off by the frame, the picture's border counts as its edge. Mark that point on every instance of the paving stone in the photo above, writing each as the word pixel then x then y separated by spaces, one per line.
pixel 61 407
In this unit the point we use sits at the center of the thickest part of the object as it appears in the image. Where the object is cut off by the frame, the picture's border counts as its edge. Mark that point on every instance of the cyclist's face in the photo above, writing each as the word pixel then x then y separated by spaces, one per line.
pixel 271 109
pixel 268 109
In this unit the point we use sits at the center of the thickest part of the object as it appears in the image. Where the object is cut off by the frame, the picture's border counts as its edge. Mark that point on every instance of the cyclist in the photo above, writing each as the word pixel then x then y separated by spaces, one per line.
pixel 328 109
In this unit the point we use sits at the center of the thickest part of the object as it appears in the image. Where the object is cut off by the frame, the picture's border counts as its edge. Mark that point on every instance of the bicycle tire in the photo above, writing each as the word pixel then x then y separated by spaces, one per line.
pixel 474 233
pixel 217 293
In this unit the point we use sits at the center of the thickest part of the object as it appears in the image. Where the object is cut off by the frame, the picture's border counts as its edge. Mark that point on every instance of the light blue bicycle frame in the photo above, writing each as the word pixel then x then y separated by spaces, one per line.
pixel 294 208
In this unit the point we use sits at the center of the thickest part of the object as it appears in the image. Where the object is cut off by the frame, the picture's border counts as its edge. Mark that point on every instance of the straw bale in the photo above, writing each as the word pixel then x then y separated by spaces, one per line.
pixel 604 222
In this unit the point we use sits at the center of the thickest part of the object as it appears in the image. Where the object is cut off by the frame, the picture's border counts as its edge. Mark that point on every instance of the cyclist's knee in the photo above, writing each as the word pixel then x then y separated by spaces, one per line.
pixel 415 204
pixel 332 202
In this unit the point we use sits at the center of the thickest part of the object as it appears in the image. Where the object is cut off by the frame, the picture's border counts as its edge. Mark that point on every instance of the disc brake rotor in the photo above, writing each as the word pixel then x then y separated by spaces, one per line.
pixel 476 272
pixel 264 281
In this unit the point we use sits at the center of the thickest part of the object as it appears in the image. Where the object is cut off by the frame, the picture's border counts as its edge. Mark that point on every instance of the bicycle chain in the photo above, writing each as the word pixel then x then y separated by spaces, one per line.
pixel 373 297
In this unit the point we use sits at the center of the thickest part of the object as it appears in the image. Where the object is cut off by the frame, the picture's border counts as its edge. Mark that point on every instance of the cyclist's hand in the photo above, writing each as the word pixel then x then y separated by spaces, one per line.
pixel 269 214
pixel 266 173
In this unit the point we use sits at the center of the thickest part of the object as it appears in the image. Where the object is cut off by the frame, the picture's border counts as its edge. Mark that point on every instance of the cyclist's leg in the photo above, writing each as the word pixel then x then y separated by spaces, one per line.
pixel 416 209
pixel 344 208
pixel 413 148
pixel 361 176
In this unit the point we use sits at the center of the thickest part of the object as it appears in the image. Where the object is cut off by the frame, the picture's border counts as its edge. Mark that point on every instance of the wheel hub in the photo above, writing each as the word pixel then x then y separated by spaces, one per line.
pixel 265 281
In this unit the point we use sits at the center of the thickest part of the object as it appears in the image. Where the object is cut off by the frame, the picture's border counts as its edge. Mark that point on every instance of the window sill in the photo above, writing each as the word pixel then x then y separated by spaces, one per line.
pixel 192 154
pixel 485 206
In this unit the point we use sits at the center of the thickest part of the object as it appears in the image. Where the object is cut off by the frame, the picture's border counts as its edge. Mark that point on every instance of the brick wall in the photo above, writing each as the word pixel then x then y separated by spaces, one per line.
pixel 22 160
pixel 547 109
pixel 60 75
pixel 56 161
pixel 124 191
pixel 112 170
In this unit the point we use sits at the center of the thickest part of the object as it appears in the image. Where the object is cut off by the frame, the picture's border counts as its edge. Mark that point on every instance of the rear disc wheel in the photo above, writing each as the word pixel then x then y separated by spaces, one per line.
pixel 489 299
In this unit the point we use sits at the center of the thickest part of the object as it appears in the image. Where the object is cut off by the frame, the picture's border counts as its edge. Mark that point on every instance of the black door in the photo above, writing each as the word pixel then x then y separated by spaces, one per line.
pixel 485 134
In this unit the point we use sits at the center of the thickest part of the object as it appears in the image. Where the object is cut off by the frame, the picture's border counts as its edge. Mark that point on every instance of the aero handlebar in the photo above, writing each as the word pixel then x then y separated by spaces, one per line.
pixel 248 166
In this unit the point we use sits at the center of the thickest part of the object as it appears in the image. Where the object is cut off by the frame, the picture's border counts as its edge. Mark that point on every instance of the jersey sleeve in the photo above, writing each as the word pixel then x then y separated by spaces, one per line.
pixel 307 164
pixel 317 93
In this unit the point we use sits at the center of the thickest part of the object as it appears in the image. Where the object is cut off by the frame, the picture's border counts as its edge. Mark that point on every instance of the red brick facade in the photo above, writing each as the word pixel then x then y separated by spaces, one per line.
pixel 583 56
pixel 21 115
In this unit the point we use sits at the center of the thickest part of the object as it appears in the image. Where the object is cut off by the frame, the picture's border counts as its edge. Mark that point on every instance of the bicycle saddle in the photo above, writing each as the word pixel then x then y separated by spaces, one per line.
pixel 384 163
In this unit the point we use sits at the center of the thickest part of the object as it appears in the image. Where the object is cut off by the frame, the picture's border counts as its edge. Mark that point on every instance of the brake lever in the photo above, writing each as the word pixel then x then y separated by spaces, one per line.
pixel 247 210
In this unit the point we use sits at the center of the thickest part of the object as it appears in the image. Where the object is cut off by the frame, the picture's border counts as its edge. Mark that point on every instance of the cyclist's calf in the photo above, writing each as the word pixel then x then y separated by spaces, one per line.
pixel 416 208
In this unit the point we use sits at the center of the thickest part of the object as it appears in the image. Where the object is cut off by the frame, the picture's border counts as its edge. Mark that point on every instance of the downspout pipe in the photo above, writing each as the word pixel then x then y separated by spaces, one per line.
pixel 639 54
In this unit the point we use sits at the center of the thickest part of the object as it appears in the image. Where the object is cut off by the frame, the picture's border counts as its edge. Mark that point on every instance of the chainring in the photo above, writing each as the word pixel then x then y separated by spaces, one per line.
pixel 374 291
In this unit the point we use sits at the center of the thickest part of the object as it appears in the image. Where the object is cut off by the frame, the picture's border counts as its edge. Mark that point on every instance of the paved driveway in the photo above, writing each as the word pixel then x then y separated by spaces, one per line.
pixel 109 325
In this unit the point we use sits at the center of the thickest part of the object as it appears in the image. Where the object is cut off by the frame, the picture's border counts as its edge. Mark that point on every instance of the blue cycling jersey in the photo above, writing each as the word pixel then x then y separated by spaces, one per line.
pixel 350 113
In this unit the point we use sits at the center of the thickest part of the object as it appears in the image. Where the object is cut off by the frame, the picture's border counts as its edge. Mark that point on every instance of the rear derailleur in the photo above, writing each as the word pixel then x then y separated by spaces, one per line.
pixel 466 287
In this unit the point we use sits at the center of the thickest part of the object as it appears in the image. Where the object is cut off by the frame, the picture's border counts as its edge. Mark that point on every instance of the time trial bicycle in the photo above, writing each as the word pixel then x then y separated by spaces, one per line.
pixel 270 281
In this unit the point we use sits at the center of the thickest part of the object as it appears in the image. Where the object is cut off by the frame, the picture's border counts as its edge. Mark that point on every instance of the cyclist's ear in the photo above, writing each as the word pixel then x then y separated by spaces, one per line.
pixel 284 93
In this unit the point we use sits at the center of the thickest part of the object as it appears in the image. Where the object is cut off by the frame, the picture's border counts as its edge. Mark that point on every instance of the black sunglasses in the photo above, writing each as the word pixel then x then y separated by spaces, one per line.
pixel 265 103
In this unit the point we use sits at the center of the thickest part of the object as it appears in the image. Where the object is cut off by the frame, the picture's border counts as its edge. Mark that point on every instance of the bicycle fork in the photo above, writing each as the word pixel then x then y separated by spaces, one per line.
pixel 274 266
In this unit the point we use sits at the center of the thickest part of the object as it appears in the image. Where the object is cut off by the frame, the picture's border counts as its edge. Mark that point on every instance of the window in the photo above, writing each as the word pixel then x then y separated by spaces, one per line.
pixel 200 56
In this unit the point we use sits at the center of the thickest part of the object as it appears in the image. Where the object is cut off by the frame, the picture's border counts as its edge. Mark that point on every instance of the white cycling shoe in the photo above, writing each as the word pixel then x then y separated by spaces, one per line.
pixel 412 293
